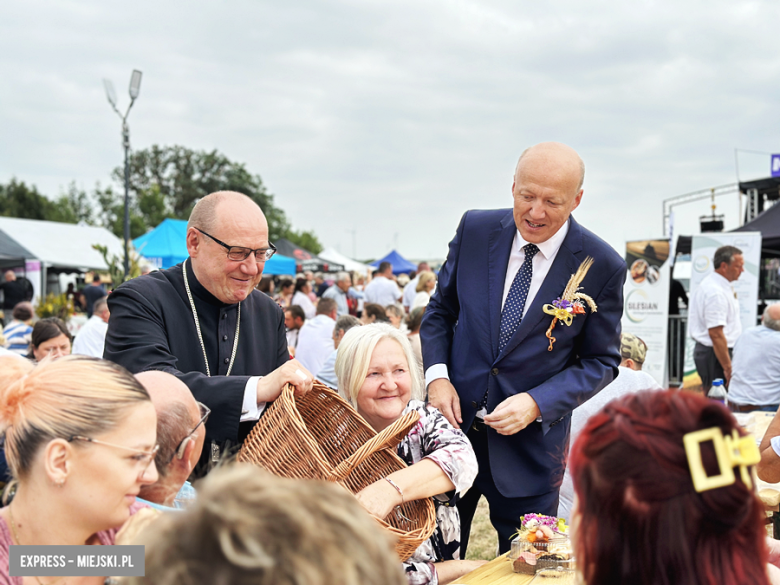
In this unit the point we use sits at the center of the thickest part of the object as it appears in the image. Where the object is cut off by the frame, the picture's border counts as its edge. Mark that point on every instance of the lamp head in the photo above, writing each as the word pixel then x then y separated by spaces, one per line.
pixel 110 93
pixel 135 83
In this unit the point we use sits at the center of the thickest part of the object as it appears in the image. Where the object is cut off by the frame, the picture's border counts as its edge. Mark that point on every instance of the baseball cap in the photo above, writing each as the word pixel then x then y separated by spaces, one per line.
pixel 631 347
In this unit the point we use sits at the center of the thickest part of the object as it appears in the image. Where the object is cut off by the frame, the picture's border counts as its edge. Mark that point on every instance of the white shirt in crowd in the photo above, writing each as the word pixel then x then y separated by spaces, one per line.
pixel 327 373
pixel 304 302
pixel 91 338
pixel 628 381
pixel 292 337
pixel 315 342
pixel 542 262
pixel 755 368
pixel 714 304
pixel 382 291
pixel 410 290
pixel 421 299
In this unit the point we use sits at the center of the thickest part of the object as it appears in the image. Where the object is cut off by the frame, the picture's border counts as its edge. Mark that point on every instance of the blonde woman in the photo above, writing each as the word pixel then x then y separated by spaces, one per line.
pixel 425 286
pixel 80 439
pixel 376 373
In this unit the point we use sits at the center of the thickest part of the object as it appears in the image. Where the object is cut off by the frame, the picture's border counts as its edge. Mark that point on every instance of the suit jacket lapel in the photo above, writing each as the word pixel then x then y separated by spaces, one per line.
pixel 499 247
pixel 564 265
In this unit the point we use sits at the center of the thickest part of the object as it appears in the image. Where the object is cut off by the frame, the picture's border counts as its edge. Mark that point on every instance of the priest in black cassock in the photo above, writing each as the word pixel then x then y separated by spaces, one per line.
pixel 204 322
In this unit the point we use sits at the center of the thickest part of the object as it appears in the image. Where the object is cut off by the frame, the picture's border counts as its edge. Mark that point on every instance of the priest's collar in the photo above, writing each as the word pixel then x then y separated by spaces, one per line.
pixel 200 291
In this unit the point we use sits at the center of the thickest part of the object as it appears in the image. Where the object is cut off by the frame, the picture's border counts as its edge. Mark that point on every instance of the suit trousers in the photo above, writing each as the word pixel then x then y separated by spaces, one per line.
pixel 707 365
pixel 504 512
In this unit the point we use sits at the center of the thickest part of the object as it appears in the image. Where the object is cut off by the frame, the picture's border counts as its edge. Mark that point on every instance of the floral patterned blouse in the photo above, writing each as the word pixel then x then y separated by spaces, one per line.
pixel 434 438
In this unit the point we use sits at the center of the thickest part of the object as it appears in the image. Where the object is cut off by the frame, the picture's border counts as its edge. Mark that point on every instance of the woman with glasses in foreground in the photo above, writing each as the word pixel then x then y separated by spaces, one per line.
pixel 80 439
pixel 666 495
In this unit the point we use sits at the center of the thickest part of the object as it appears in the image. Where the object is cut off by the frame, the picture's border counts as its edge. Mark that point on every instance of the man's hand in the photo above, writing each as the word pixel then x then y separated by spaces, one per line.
pixel 513 414
pixel 269 387
pixel 442 395
pixel 721 349
pixel 136 524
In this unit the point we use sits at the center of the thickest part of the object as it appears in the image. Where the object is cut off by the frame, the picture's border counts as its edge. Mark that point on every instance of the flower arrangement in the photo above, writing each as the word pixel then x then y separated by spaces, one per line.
pixel 55 306
pixel 570 303
pixel 534 522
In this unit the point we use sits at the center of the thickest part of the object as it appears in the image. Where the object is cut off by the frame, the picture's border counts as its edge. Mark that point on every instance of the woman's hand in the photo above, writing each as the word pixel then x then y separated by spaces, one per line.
pixel 379 498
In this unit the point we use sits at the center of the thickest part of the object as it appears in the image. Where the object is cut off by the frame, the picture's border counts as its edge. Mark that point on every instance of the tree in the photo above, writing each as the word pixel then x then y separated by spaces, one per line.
pixel 164 182
pixel 19 200
pixel 76 206
pixel 169 181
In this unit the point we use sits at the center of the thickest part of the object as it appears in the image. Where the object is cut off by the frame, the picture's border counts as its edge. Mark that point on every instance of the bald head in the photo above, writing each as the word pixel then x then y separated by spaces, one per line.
pixel 560 158
pixel 771 317
pixel 177 414
pixel 166 389
pixel 208 210
pixel 9 275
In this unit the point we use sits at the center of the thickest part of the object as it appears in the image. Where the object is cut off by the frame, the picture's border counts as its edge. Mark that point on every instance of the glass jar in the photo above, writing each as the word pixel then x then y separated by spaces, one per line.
pixel 530 557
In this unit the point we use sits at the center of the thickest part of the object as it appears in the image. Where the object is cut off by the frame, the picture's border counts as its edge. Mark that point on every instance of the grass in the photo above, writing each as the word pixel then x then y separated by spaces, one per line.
pixel 483 543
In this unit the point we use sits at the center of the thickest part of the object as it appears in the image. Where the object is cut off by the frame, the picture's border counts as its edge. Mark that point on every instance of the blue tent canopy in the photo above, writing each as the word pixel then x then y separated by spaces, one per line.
pixel 400 264
pixel 166 246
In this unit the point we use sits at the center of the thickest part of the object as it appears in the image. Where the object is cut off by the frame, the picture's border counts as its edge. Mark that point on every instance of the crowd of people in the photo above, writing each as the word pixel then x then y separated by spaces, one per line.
pixel 315 314
pixel 136 445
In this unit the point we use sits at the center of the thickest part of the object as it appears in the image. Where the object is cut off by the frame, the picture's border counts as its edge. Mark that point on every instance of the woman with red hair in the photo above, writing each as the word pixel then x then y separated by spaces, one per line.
pixel 647 515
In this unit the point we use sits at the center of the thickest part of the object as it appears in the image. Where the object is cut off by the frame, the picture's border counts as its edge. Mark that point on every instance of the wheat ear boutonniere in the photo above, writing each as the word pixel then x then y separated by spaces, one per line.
pixel 570 303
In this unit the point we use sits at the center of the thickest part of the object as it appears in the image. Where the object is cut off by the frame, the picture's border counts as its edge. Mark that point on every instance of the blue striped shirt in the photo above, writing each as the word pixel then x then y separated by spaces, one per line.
pixel 17 337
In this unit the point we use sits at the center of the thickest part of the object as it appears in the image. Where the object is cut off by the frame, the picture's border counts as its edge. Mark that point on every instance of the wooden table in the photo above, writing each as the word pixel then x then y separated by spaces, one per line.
pixel 496 572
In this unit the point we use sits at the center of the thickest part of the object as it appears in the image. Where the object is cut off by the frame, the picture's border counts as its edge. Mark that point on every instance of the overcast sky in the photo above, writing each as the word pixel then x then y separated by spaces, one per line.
pixel 393 118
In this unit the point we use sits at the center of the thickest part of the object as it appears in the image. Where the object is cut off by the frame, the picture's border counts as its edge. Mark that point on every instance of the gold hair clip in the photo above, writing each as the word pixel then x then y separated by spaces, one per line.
pixel 730 452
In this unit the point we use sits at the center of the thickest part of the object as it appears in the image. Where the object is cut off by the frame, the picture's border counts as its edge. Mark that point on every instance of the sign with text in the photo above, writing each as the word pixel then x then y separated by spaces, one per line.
pixel 776 165
pixel 646 302
pixel 76 561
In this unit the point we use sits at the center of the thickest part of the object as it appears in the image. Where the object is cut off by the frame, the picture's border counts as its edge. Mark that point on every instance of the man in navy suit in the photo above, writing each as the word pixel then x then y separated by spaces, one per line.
pixel 488 363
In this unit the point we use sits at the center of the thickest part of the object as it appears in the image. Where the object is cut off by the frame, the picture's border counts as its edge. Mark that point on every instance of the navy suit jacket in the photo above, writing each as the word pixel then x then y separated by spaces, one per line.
pixel 461 329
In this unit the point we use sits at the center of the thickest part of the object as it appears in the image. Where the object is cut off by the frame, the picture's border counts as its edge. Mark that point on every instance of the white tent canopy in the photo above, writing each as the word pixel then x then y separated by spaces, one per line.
pixel 350 265
pixel 62 245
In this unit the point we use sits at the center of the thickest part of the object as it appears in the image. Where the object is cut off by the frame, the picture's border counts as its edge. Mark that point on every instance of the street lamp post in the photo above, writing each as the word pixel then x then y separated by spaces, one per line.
pixel 135 87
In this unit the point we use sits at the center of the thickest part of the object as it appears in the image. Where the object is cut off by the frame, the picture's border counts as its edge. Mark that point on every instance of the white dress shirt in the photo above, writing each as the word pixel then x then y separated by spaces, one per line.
pixel 714 304
pixel 410 290
pixel 304 302
pixel 382 291
pixel 755 367
pixel 542 262
pixel 315 342
pixel 91 338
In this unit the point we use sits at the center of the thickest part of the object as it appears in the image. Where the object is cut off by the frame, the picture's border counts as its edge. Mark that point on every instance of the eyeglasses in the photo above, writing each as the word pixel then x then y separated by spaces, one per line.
pixel 142 458
pixel 239 254
pixel 205 411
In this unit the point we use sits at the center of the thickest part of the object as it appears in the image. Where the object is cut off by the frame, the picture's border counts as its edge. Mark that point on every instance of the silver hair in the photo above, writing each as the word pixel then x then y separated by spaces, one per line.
pixel 768 321
pixel 345 323
pixel 342 276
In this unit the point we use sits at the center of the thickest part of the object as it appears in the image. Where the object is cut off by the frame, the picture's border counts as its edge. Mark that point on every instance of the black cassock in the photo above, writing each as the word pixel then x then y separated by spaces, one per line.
pixel 152 328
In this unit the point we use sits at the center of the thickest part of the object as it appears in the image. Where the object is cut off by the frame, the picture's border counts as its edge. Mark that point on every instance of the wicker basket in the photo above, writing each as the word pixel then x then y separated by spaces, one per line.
pixel 320 436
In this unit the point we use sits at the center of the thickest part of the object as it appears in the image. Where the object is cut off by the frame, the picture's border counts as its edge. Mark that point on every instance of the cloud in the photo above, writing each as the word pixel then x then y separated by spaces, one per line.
pixel 396 117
